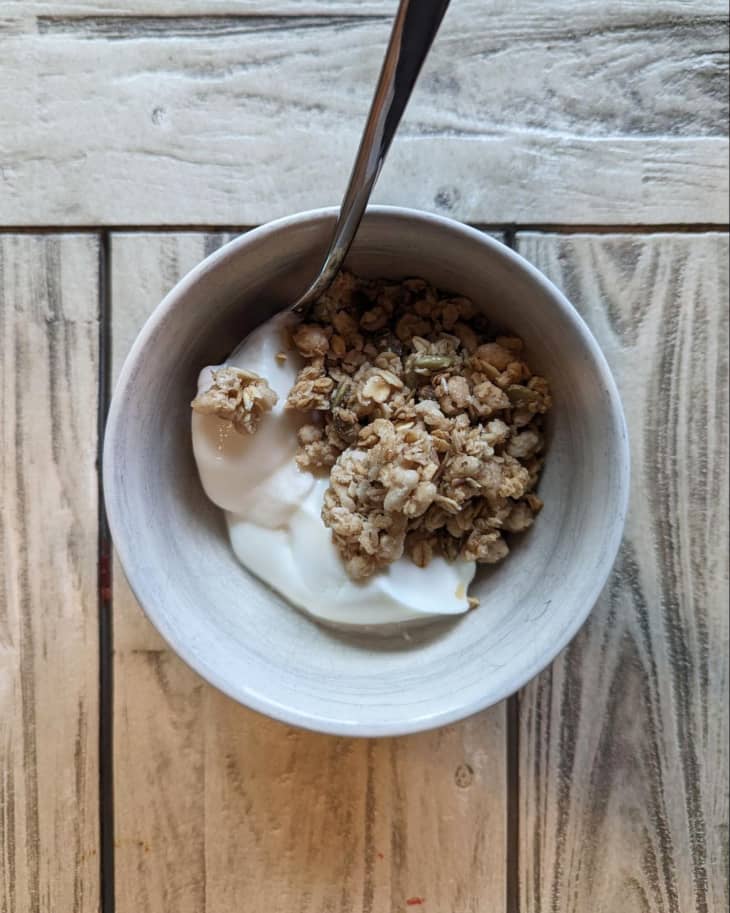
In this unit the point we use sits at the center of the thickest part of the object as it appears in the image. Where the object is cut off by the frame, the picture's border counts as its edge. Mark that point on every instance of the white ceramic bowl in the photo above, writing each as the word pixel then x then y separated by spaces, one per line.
pixel 244 638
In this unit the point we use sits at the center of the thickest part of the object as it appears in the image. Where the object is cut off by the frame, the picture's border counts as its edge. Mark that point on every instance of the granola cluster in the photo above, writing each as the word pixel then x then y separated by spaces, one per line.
pixel 240 397
pixel 430 424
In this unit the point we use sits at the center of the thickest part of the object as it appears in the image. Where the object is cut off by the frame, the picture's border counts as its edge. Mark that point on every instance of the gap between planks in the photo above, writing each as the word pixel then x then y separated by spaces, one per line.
pixel 105 599
pixel 512 750
pixel 506 228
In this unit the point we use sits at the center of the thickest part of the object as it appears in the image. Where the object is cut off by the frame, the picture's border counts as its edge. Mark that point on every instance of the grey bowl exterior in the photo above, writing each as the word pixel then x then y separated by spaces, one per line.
pixel 240 635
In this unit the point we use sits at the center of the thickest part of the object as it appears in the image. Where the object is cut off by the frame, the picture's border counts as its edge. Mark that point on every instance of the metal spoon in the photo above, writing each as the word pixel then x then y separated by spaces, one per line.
pixel 414 29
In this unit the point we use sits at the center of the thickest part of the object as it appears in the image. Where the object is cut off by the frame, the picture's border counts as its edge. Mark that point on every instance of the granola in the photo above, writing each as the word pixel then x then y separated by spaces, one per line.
pixel 428 422
pixel 238 396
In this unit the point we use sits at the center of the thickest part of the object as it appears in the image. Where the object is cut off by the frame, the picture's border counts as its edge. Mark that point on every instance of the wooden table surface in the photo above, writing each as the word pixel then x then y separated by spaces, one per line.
pixel 136 136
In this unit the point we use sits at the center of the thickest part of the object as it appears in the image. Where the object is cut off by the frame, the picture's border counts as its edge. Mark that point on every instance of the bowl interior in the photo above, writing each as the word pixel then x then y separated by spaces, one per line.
pixel 248 641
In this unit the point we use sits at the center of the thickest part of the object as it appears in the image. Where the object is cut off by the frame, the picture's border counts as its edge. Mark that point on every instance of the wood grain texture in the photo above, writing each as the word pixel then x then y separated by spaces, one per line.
pixel 218 807
pixel 49 305
pixel 540 112
pixel 159 734
pixel 29 9
pixel 624 782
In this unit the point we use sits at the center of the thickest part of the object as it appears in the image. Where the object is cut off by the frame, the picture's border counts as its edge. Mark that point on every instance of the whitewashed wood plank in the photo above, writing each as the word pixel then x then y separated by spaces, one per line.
pixel 159 730
pixel 215 803
pixel 624 774
pixel 144 269
pixel 330 824
pixel 537 113
pixel 542 17
pixel 49 801
pixel 29 9
pixel 518 12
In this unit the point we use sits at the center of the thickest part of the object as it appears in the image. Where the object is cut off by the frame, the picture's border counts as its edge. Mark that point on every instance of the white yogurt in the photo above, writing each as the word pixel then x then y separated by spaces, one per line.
pixel 273 512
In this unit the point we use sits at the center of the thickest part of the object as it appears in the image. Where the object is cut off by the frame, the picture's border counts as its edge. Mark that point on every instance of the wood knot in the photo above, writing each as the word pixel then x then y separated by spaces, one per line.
pixel 447 198
pixel 464 776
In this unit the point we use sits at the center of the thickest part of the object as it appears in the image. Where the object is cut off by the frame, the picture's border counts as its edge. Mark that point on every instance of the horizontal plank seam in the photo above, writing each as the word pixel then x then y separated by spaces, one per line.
pixel 504 227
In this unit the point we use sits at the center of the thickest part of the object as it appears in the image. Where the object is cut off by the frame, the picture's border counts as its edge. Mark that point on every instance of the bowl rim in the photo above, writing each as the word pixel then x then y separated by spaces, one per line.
pixel 254 699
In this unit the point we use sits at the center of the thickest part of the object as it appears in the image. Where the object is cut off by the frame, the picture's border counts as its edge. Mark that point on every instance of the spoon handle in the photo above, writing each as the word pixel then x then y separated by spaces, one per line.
pixel 414 30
